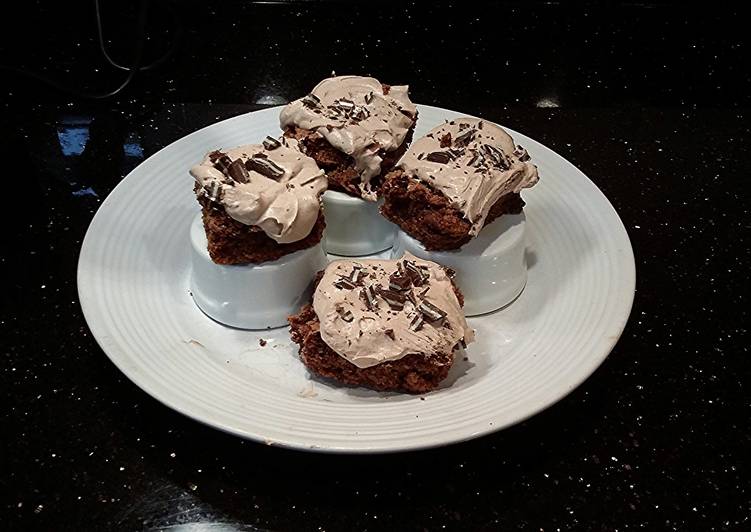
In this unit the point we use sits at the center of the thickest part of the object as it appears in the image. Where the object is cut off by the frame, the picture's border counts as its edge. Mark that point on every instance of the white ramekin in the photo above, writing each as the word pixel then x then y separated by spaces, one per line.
pixel 491 269
pixel 251 296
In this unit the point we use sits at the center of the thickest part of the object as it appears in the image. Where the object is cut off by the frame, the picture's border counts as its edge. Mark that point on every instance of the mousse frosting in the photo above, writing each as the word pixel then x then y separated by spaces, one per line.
pixel 272 186
pixel 473 163
pixel 355 116
pixel 374 311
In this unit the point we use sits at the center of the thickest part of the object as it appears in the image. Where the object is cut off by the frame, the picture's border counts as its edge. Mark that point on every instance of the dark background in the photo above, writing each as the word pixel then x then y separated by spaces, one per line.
pixel 650 100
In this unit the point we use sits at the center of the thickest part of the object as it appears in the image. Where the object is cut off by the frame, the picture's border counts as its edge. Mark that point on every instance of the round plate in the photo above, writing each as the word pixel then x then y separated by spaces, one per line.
pixel 133 286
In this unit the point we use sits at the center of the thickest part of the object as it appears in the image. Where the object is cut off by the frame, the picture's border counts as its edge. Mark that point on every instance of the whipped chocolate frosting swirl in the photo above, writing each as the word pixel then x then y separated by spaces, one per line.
pixel 374 311
pixel 473 163
pixel 271 185
pixel 355 116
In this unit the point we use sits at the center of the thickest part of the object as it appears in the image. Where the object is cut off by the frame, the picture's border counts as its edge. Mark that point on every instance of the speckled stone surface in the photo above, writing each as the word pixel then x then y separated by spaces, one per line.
pixel 650 101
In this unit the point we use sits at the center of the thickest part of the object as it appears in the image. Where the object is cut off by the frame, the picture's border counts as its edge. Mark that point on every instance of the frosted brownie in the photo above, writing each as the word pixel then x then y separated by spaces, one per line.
pixel 260 201
pixel 382 324
pixel 356 128
pixel 455 180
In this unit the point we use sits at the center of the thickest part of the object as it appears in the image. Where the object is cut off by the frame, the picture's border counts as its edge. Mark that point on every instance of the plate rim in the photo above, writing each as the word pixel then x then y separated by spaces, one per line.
pixel 627 285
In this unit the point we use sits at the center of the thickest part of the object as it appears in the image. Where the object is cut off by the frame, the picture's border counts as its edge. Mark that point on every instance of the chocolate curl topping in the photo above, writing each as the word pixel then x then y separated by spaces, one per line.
pixel 399 282
pixel 265 167
pixel 369 97
pixel 394 299
pixel 417 322
pixel 465 138
pixel 521 154
pixel 222 163
pixel 345 283
pixel 238 172
pixel 270 143
pixel 477 159
pixel 430 311
pixel 345 315
pixel 411 298
pixel 311 100
pixel 439 157
pixel 345 104
pixel 369 295
pixel 496 155
pixel 417 274
pixel 213 191
pixel 390 333
pixel 356 275
pixel 360 113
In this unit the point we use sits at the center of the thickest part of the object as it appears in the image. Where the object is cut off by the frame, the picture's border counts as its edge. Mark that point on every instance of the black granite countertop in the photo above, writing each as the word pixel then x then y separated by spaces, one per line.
pixel 651 101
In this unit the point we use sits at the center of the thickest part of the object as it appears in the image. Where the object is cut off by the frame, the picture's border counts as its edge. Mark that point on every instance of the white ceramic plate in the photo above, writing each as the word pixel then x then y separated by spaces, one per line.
pixel 133 287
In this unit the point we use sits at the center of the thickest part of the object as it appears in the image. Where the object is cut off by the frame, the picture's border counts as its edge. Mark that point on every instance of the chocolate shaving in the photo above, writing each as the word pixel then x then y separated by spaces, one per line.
pixel 445 140
pixel 214 155
pixel 345 104
pixel 424 292
pixel 411 298
pixel 369 295
pixel 369 97
pixel 455 154
pixel 265 166
pixel 390 333
pixel 430 311
pixel 521 154
pixel 417 322
pixel 311 100
pixel 479 124
pixel 419 157
pixel 418 275
pixel 345 315
pixel 399 282
pixel 213 191
pixel 496 156
pixel 223 163
pixel 270 143
pixel 238 172
pixel 394 299
pixel 356 275
pixel 439 157
pixel 360 113
pixel 345 283
pixel 465 138
pixel 463 343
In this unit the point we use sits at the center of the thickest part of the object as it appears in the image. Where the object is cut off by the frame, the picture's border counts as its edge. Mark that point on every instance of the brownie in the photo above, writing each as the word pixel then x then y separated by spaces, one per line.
pixel 427 215
pixel 414 373
pixel 232 242
pixel 356 128
pixel 456 180
pixel 340 167
pixel 246 195
pixel 395 367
